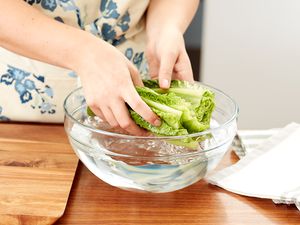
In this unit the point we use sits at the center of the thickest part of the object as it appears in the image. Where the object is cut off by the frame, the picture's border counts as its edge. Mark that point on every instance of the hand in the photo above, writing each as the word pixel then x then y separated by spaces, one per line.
pixel 167 57
pixel 108 80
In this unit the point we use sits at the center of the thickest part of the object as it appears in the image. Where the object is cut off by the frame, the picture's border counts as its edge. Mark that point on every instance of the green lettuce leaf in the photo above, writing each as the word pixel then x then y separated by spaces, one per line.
pixel 184 108
pixel 163 130
pixel 201 102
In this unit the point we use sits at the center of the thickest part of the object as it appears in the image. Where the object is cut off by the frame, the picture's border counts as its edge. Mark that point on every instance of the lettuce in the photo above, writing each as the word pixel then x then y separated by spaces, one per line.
pixel 201 100
pixel 184 108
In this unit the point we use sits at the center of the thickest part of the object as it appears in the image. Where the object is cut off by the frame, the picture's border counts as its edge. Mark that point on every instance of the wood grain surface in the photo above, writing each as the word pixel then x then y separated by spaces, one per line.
pixel 37 167
pixel 94 202
pixel 34 187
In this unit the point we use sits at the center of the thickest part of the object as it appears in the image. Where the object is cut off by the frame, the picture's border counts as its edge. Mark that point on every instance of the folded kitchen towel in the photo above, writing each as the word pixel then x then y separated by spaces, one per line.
pixel 247 140
pixel 271 170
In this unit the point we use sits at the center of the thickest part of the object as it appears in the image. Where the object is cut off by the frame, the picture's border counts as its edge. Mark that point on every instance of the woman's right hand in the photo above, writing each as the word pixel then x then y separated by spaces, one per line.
pixel 108 79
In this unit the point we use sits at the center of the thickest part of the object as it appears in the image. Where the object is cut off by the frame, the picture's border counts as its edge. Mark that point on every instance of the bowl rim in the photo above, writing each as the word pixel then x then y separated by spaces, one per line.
pixel 128 136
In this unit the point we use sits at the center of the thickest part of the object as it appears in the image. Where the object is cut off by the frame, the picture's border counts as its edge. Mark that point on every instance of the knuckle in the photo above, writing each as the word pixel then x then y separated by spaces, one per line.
pixel 126 124
pixel 150 55
pixel 134 71
pixel 149 51
pixel 113 124
pixel 123 80
pixel 138 105
pixel 172 54
pixel 153 74
pixel 146 113
pixel 153 70
pixel 91 102
pixel 165 72
pixel 151 118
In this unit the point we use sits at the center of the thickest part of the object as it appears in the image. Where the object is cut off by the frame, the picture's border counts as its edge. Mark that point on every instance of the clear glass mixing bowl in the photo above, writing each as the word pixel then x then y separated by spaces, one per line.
pixel 152 164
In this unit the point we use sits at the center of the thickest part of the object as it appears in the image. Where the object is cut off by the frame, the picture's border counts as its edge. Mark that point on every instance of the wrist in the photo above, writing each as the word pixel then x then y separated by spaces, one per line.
pixel 158 32
pixel 81 51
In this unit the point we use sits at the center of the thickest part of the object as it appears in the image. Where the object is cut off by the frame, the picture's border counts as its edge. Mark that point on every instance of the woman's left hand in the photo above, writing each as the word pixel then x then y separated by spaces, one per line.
pixel 167 57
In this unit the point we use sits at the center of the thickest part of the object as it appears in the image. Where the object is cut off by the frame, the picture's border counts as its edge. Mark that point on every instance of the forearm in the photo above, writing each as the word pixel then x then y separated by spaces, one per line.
pixel 28 32
pixel 162 14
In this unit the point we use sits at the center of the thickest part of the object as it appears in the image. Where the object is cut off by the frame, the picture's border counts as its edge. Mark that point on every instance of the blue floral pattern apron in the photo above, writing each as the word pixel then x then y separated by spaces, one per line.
pixel 31 90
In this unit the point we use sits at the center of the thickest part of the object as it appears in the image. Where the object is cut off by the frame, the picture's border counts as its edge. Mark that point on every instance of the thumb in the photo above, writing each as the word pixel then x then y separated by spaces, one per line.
pixel 167 63
pixel 153 62
pixel 135 75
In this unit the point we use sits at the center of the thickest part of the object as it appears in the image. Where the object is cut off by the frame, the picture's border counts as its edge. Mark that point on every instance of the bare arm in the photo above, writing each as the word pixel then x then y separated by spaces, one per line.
pixel 28 32
pixel 166 22
pixel 176 13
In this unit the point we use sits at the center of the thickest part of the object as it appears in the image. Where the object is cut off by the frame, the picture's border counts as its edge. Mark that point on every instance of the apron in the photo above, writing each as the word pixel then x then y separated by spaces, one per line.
pixel 34 91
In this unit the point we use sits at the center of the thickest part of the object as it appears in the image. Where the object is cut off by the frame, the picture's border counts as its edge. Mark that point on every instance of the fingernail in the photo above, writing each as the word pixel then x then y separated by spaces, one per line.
pixel 157 123
pixel 164 83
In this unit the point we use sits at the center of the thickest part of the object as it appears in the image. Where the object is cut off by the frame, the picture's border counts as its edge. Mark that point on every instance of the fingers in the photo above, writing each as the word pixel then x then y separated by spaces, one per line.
pixel 117 115
pixel 183 68
pixel 139 106
pixel 119 119
pixel 124 120
pixel 97 112
pixel 167 62
pixel 109 117
pixel 135 76
pixel 153 63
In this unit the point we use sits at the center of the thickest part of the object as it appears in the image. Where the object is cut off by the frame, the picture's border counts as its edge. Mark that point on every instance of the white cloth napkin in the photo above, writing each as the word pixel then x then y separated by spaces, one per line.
pixel 271 170
pixel 248 140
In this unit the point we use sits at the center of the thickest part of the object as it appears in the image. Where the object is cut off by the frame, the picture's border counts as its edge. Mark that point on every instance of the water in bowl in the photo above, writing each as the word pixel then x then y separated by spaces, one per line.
pixel 145 165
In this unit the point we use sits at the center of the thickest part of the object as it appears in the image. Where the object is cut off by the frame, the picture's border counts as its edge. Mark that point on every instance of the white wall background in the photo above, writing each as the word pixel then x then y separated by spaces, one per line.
pixel 251 50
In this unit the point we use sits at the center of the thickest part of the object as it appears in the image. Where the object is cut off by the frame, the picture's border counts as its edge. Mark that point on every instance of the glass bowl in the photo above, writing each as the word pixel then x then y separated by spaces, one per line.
pixel 150 164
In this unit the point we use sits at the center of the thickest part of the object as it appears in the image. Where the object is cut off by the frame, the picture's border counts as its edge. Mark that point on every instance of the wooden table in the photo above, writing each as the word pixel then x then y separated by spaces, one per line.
pixel 95 202
pixel 37 169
